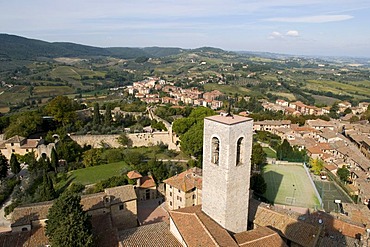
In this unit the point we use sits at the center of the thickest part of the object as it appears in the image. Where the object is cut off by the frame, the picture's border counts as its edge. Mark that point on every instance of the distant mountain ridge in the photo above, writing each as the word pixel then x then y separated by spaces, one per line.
pixel 17 47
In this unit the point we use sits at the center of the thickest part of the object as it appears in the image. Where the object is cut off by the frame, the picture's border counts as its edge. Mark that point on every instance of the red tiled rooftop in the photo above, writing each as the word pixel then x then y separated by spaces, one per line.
pixel 186 180
pixel 197 229
pixel 259 237
pixel 133 174
pixel 147 182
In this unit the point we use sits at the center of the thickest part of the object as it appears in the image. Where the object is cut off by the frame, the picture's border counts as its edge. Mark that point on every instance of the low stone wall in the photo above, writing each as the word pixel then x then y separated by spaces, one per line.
pixel 138 140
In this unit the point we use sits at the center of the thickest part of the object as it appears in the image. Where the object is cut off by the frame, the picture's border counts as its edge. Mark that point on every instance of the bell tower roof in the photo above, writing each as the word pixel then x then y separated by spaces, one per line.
pixel 229 120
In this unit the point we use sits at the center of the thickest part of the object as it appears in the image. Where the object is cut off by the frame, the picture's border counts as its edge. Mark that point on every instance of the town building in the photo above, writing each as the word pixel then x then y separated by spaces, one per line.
pixel 21 145
pixel 184 189
pixel 145 188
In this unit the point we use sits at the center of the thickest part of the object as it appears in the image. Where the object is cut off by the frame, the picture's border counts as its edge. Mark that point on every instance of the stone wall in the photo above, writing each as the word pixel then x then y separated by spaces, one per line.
pixel 138 140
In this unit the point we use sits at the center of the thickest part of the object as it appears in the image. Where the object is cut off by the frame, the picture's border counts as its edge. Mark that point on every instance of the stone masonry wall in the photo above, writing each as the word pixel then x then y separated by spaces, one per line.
pixel 138 140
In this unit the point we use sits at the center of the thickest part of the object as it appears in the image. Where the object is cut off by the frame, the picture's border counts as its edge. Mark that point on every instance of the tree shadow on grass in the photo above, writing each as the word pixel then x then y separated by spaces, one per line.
pixel 273 180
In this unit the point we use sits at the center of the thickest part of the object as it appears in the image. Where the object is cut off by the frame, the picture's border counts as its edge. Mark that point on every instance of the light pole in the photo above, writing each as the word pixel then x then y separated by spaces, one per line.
pixel 293 193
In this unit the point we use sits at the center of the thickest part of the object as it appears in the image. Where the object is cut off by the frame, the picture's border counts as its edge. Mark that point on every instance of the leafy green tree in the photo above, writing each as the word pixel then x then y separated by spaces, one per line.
pixel 108 115
pixel 333 112
pixel 46 190
pixel 190 129
pixel 54 161
pixel 96 117
pixel 23 124
pixel 258 155
pixel 133 157
pixel 284 150
pixel 191 143
pixel 181 125
pixel 92 157
pixel 68 225
pixel 258 184
pixel 62 109
pixel 3 166
pixel 343 174
pixel 30 160
pixel 316 166
pixel 15 166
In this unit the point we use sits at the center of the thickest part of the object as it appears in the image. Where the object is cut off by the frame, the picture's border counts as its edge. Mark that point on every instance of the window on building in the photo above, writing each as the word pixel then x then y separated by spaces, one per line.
pixel 170 203
pixel 194 196
pixel 12 144
pixel 180 199
pixel 170 187
pixel 170 193
pixel 178 207
pixel 27 150
pixel 215 152
pixel 13 150
pixel 179 191
pixel 239 151
pixel 121 207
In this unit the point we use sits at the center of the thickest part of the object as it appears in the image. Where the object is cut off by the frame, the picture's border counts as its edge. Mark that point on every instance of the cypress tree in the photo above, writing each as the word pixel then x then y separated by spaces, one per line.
pixel 96 118
pixel 108 115
pixel 3 166
pixel 54 159
pixel 15 166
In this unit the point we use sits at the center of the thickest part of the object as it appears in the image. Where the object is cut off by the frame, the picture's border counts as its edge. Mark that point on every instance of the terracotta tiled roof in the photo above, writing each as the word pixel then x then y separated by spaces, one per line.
pixel 154 235
pixel 36 237
pixel 121 193
pixel 147 182
pixel 259 237
pixel 228 120
pixel 106 234
pixel 23 215
pixel 197 229
pixel 15 139
pixel 133 174
pixel 30 143
pixel 296 231
pixel 186 180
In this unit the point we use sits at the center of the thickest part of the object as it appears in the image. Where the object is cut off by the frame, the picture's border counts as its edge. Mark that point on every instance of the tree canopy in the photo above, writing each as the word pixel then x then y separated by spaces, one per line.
pixel 62 109
pixel 258 184
pixel 68 225
pixel 190 129
pixel 343 173
pixel 15 166
pixel 258 155
pixel 3 166
pixel 23 124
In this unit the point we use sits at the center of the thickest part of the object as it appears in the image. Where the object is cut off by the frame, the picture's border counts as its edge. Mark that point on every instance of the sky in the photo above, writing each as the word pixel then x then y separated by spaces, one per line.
pixel 298 27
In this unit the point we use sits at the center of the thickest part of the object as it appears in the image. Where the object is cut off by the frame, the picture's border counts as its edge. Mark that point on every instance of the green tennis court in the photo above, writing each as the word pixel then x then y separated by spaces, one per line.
pixel 329 192
pixel 289 185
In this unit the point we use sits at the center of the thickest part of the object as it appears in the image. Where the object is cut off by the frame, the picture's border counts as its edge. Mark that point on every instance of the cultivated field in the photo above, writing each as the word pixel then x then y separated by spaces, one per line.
pixel 227 89
pixel 289 185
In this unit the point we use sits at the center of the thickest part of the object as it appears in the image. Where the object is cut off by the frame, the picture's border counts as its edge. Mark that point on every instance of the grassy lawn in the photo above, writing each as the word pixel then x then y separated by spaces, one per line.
pixel 270 153
pixel 91 175
pixel 289 185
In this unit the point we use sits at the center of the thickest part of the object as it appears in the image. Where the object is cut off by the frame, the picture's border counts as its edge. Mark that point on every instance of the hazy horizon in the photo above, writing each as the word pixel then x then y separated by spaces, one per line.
pixel 294 27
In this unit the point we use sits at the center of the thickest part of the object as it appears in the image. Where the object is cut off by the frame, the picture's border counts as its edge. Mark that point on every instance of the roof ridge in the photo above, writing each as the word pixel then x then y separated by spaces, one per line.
pixel 257 239
pixel 206 229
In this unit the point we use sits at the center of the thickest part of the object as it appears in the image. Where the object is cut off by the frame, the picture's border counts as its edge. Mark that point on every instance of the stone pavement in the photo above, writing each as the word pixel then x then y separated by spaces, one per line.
pixel 152 211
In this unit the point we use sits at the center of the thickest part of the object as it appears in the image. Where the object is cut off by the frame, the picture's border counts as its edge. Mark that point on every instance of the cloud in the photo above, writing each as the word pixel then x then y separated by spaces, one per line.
pixel 292 33
pixel 312 19
pixel 276 35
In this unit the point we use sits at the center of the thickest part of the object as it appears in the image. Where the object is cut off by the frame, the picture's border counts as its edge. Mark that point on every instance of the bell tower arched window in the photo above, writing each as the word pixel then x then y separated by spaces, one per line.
pixel 239 151
pixel 215 154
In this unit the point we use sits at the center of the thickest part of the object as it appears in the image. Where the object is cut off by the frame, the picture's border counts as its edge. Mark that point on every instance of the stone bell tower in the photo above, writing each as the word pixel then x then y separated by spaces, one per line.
pixel 227 148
